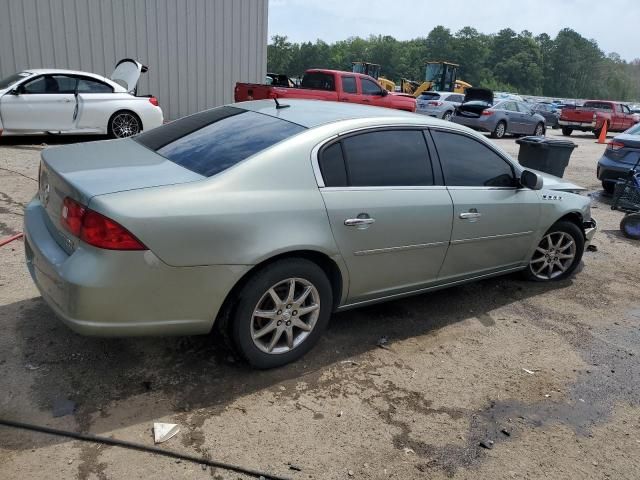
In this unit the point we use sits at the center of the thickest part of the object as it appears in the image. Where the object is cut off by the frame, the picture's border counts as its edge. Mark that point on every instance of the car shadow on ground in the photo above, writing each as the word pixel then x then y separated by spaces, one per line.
pixel 181 374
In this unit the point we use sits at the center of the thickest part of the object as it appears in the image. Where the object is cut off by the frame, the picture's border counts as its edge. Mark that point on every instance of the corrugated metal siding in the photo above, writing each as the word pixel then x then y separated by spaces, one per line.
pixel 195 49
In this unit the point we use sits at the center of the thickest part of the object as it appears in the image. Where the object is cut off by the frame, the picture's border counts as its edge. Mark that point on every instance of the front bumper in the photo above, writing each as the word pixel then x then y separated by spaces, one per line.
pixel 589 229
pixel 122 293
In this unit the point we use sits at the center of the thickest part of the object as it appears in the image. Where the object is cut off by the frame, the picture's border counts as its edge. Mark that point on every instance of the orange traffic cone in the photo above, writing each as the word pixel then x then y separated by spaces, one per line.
pixel 603 133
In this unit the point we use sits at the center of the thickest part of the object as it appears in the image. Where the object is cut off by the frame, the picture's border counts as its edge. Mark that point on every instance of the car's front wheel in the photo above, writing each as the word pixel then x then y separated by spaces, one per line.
pixel 539 131
pixel 281 312
pixel 124 124
pixel 558 253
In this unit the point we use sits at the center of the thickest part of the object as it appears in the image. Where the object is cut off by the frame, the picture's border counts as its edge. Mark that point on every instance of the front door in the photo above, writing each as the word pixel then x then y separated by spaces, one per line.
pixel 494 221
pixel 46 103
pixel 391 223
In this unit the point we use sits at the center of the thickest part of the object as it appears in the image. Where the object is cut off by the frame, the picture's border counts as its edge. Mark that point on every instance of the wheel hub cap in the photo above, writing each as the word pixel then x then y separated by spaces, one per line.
pixel 553 256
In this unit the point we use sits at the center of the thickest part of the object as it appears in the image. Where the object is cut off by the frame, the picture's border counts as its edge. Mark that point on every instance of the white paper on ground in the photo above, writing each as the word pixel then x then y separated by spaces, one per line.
pixel 164 431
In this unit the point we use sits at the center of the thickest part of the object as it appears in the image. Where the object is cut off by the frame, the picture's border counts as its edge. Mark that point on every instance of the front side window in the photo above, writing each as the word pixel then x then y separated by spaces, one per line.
pixel 369 87
pixel 50 84
pixel 212 141
pixel 349 85
pixel 625 109
pixel 388 158
pixel 469 163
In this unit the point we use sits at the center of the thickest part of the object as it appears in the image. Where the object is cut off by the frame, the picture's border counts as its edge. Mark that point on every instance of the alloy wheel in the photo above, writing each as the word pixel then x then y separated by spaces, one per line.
pixel 447 117
pixel 500 130
pixel 124 125
pixel 539 130
pixel 553 256
pixel 285 315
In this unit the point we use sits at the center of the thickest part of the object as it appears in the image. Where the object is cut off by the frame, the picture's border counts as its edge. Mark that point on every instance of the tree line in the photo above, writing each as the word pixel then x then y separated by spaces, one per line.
pixel 567 66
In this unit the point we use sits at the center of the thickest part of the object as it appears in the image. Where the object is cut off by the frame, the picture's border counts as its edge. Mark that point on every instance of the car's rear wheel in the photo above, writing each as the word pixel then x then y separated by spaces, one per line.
pixel 630 226
pixel 539 131
pixel 608 186
pixel 566 131
pixel 447 116
pixel 500 130
pixel 281 312
pixel 558 253
pixel 124 124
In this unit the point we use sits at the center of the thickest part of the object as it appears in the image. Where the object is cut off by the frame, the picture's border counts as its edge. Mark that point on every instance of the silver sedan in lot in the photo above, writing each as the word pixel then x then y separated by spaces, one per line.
pixel 263 219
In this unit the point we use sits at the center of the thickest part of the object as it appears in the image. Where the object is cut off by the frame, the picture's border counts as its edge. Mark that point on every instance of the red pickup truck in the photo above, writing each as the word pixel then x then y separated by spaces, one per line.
pixel 330 85
pixel 592 115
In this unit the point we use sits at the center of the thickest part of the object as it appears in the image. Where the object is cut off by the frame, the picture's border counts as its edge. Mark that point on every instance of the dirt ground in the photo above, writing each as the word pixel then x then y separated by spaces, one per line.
pixel 453 377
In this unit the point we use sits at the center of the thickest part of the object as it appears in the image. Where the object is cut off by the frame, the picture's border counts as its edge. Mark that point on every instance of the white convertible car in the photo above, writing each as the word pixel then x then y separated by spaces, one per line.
pixel 67 101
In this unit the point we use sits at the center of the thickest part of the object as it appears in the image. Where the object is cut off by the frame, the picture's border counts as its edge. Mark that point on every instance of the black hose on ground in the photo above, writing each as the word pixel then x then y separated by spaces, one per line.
pixel 87 437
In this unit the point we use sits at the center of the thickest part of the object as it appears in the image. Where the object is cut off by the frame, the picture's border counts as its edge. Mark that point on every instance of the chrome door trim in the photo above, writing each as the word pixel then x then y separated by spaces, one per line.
pixel 491 237
pixel 418 291
pixel 386 187
pixel 377 251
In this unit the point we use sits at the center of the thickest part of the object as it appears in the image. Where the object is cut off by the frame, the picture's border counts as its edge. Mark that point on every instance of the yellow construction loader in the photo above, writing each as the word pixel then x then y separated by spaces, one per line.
pixel 439 76
pixel 373 70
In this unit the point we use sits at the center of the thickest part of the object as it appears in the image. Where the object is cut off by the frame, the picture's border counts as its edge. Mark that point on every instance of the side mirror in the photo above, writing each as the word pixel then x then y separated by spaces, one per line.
pixel 531 180
pixel 14 91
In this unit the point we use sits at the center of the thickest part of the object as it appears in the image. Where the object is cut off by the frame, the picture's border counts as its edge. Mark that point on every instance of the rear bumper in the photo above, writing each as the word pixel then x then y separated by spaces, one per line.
pixel 609 170
pixel 113 293
pixel 584 126
pixel 481 123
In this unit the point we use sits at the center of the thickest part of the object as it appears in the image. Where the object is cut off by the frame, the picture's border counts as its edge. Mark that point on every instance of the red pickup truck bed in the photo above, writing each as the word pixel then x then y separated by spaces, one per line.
pixel 330 85
pixel 591 116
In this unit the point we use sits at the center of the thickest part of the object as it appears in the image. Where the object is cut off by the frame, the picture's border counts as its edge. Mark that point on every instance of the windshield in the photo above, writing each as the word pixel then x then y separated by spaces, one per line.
pixel 429 96
pixel 433 72
pixel 11 79
pixel 212 141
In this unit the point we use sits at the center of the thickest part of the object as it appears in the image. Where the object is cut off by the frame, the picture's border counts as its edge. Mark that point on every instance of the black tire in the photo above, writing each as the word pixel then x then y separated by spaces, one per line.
pixel 608 187
pixel 597 132
pixel 500 131
pixel 256 290
pixel 132 124
pixel 539 130
pixel 567 131
pixel 630 226
pixel 577 236
pixel 447 116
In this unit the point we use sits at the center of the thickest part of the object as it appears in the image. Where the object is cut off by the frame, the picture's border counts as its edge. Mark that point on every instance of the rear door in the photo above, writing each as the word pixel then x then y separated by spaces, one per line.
pixel 45 103
pixel 93 96
pixel 349 91
pixel 627 118
pixel 514 119
pixel 390 219
pixel 493 220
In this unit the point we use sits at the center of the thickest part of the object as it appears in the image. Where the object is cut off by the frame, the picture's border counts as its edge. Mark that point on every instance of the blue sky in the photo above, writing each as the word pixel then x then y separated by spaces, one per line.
pixel 614 24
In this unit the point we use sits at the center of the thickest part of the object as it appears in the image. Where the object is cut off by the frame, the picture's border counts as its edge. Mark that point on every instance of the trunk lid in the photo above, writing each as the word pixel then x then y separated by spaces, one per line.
pixel 82 171
pixel 476 101
pixel 478 94
pixel 127 73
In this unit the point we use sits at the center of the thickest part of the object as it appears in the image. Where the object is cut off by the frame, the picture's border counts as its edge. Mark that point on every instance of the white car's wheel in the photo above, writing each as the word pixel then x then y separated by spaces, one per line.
pixel 124 124
pixel 558 253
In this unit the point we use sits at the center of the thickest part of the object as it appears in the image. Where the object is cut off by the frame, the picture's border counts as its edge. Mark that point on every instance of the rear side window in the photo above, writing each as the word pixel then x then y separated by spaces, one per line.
pixel 87 85
pixel 468 163
pixel 210 142
pixel 349 85
pixel 381 158
pixel 318 81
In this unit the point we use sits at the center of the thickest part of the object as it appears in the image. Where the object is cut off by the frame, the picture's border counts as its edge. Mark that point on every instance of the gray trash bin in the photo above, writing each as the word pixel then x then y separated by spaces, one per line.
pixel 545 154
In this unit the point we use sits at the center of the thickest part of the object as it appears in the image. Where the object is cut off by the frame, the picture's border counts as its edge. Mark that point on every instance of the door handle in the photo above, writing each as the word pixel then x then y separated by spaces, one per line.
pixel 359 222
pixel 65 100
pixel 467 215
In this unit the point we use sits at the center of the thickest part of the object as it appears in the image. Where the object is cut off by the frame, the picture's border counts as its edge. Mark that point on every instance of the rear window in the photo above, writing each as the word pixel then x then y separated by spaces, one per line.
pixel 318 81
pixel 598 105
pixel 210 142
pixel 429 96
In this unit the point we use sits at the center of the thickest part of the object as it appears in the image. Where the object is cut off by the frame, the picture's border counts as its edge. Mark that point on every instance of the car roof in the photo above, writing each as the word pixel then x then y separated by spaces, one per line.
pixel 52 71
pixel 313 113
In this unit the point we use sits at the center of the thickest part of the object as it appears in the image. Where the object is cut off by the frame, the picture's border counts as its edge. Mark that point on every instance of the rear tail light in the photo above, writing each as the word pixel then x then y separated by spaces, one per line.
pixel 487 112
pixel 96 229
pixel 154 101
pixel 613 145
pixel 434 103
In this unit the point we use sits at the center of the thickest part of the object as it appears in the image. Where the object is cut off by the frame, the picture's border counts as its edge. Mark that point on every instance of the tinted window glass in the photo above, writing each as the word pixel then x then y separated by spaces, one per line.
pixel 523 108
pixel 429 96
pixel 35 86
pixel 468 163
pixel 51 84
pixel 212 141
pixel 65 84
pixel 388 158
pixel 369 87
pixel 349 85
pixel 318 81
pixel 86 85
pixel 332 166
pixel 598 105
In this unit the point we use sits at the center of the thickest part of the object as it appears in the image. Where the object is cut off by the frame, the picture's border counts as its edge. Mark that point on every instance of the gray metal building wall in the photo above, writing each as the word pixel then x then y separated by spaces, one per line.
pixel 195 49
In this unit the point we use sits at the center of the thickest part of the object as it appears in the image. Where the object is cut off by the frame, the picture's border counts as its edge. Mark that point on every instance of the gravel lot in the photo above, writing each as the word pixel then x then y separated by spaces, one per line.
pixel 452 377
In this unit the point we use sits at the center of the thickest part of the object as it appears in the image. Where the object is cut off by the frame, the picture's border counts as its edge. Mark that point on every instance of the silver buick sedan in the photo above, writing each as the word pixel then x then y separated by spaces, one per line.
pixel 264 218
